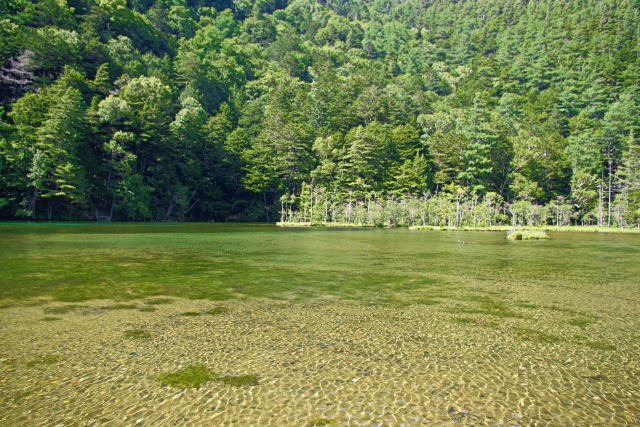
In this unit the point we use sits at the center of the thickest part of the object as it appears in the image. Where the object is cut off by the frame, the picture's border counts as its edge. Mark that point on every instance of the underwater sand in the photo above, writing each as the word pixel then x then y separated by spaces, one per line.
pixel 356 363
pixel 377 327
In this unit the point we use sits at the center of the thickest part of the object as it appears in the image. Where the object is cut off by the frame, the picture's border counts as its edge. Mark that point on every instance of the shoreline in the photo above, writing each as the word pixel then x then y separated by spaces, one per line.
pixel 551 228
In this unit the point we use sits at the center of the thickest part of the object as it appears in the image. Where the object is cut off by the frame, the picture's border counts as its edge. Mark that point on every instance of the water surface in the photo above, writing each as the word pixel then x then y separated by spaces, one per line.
pixel 365 326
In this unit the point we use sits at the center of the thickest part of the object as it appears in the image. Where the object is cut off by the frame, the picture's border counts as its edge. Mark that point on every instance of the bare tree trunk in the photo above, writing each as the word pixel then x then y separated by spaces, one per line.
pixel 311 207
pixel 266 211
pixel 609 206
pixel 170 208
pixel 600 204
pixel 32 203
pixel 50 209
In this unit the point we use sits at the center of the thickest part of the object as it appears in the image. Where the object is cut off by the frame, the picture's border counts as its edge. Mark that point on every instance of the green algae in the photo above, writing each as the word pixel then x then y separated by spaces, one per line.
pixel 135 334
pixel 158 301
pixel 45 359
pixel 528 334
pixel 216 310
pixel 192 376
pixel 61 309
pixel 321 422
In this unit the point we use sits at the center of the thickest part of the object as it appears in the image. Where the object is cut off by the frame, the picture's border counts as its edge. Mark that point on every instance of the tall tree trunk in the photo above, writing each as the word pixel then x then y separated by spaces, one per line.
pixel 609 205
pixel 311 207
pixel 600 203
pixel 32 203
pixel 50 209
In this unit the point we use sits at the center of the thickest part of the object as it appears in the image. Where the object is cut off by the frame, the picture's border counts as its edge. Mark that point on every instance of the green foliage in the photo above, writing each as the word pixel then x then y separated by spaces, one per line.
pixel 419 113
pixel 526 235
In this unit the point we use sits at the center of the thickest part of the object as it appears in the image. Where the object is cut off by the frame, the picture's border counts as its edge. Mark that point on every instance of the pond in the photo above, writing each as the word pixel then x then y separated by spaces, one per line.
pixel 370 327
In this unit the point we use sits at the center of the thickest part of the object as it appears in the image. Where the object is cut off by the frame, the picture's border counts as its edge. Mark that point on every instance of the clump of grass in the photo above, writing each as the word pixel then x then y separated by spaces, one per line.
pixel 321 422
pixel 135 334
pixel 45 359
pixel 240 379
pixel 529 334
pixel 50 318
pixel 158 301
pixel 148 308
pixel 190 313
pixel 216 310
pixel 526 235
pixel 580 321
pixel 61 309
pixel 190 376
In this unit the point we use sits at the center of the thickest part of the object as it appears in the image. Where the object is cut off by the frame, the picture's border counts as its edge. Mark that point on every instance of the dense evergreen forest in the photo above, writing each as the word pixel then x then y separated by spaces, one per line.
pixel 386 111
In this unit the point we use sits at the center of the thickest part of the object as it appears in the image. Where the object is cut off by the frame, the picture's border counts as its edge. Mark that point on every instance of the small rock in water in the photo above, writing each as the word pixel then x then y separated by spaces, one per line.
pixel 451 409
pixel 464 411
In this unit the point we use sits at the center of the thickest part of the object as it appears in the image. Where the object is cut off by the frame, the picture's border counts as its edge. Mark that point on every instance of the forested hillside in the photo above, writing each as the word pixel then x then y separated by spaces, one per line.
pixel 387 111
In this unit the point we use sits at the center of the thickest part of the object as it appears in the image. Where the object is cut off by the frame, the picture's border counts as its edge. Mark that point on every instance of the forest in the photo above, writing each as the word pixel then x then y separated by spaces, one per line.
pixel 384 112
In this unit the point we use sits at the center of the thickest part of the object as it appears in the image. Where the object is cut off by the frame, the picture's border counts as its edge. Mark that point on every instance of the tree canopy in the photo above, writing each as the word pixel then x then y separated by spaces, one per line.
pixel 254 110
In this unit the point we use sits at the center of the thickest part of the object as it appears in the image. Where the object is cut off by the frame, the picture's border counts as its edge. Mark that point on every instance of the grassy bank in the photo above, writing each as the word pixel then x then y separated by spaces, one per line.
pixel 564 228
pixel 569 228
pixel 527 235
pixel 323 224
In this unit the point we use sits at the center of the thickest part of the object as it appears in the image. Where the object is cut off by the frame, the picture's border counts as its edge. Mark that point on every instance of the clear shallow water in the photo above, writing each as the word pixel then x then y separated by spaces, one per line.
pixel 221 261
pixel 488 331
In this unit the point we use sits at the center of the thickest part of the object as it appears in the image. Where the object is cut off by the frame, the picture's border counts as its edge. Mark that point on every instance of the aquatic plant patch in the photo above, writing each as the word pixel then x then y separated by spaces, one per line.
pixel 158 301
pixel 120 307
pixel 529 334
pixel 61 309
pixel 527 235
pixel 45 359
pixel 135 334
pixel 187 377
pixel 216 310
pixel 321 422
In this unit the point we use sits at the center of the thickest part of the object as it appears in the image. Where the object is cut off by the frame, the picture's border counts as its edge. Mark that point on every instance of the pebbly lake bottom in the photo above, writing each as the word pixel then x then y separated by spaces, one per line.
pixel 527 342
